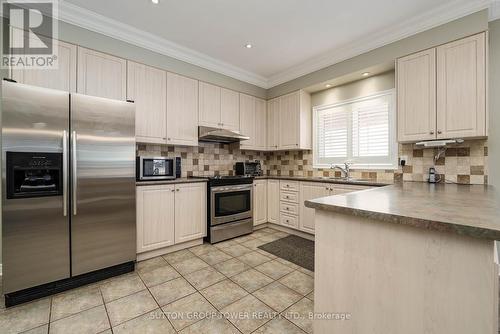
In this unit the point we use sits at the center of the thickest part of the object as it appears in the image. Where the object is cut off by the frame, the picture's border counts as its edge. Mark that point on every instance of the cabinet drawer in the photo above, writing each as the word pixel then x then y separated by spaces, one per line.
pixel 290 208
pixel 289 220
pixel 289 196
pixel 289 185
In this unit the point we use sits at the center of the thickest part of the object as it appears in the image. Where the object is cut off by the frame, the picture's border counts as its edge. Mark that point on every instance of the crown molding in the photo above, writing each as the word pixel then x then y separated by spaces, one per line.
pixel 440 15
pixel 433 18
pixel 495 10
pixel 98 23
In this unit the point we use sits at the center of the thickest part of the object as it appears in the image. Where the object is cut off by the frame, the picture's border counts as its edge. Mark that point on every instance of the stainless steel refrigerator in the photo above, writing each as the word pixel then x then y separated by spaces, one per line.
pixel 68 190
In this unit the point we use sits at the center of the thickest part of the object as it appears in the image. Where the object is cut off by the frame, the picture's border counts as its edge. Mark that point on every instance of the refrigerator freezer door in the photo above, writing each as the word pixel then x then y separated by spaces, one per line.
pixel 35 232
pixel 103 183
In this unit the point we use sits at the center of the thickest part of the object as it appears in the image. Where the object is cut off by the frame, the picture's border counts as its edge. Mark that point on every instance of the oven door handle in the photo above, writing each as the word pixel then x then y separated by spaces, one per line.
pixel 230 188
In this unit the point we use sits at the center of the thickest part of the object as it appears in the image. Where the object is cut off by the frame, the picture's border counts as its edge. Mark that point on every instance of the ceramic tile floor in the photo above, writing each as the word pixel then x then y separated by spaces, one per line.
pixel 230 287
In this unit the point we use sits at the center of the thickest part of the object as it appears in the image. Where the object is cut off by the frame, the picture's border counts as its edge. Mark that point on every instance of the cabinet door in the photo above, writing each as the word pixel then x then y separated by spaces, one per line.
pixel 230 109
pixel 182 110
pixel 260 142
pixel 155 217
pixel 147 87
pixel 273 201
pixel 273 124
pixel 62 78
pixel 101 75
pixel 260 202
pixel 417 96
pixel 209 105
pixel 308 191
pixel 190 211
pixel 289 121
pixel 247 120
pixel 461 88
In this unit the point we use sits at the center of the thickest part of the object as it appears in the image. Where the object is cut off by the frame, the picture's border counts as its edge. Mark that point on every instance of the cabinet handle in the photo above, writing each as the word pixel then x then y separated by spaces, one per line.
pixel 169 139
pixel 288 208
pixel 177 189
pixel 439 132
pixel 331 189
pixel 431 132
pixel 173 190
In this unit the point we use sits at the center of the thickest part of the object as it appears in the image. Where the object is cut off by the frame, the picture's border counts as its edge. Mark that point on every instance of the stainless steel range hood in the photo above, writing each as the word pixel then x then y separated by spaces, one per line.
pixel 216 135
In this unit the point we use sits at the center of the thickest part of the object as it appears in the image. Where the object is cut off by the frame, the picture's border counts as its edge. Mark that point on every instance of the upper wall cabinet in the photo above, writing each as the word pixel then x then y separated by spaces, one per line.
pixel 260 142
pixel 253 122
pixel 417 96
pixel 442 92
pixel 273 124
pixel 218 107
pixel 295 118
pixel 147 87
pixel 461 88
pixel 62 78
pixel 247 120
pixel 101 75
pixel 230 109
pixel 182 110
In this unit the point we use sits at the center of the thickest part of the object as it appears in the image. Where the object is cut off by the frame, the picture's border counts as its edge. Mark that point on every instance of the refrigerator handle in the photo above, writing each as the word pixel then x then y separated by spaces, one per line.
pixel 75 182
pixel 65 173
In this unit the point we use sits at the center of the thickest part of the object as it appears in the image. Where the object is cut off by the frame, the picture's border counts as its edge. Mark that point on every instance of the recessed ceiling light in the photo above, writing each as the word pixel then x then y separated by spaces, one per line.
pixel 248 46
pixel 328 85
pixel 366 74
pixel 155 1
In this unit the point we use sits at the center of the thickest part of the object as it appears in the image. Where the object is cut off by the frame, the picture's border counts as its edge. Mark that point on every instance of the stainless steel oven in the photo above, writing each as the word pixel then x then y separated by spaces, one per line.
pixel 155 168
pixel 231 203
pixel 230 207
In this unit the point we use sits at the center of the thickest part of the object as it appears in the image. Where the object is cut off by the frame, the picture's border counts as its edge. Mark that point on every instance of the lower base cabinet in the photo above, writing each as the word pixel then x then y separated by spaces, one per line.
pixel 170 214
pixel 309 191
pixel 273 201
pixel 259 202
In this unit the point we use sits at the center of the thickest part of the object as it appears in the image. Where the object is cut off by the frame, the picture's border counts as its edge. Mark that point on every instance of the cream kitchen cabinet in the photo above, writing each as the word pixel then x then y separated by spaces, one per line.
pixel 230 109
pixel 209 105
pixel 62 78
pixel 295 119
pixel 273 201
pixel 273 124
pixel 260 142
pixel 259 202
pixel 253 122
pixel 190 211
pixel 147 87
pixel 101 75
pixel 442 91
pixel 308 191
pixel 417 96
pixel 155 217
pixel 170 214
pixel 461 88
pixel 219 107
pixel 182 110
pixel 247 120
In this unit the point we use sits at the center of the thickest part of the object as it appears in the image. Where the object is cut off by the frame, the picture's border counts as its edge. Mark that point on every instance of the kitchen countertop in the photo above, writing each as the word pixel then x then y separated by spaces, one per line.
pixel 176 181
pixel 358 182
pixel 472 210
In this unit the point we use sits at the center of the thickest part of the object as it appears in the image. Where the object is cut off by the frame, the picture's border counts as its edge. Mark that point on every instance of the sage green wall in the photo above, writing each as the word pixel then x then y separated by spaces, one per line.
pixel 494 105
pixel 86 38
pixel 457 29
pixel 360 88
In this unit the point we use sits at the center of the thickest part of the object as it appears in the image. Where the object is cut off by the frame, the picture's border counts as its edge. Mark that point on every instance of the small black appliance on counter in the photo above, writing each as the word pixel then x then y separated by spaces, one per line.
pixel 248 168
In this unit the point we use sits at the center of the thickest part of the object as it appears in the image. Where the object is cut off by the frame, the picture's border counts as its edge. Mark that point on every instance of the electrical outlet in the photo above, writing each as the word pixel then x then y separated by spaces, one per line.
pixel 403 160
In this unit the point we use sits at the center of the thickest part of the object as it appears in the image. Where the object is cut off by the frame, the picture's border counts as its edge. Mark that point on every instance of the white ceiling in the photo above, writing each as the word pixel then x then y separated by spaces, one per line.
pixel 290 37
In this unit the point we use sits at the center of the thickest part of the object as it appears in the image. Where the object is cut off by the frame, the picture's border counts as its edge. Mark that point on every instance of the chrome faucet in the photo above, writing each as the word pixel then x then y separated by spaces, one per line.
pixel 346 169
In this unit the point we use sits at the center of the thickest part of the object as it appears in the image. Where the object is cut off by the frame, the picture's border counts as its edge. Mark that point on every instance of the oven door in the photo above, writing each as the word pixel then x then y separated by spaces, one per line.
pixel 231 203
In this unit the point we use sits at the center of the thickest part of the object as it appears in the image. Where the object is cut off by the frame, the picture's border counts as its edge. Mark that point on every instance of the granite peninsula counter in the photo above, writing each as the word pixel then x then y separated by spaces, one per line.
pixel 408 258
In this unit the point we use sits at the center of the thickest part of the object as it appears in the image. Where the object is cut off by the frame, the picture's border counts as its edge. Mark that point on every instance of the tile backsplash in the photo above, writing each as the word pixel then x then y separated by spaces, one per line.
pixel 465 163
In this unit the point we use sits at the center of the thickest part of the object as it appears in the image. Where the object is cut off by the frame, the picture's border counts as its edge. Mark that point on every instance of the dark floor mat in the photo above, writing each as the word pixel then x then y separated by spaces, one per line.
pixel 294 249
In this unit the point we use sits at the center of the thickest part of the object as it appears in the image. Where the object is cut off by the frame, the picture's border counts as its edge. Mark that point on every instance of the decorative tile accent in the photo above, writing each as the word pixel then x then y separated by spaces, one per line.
pixel 218 159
